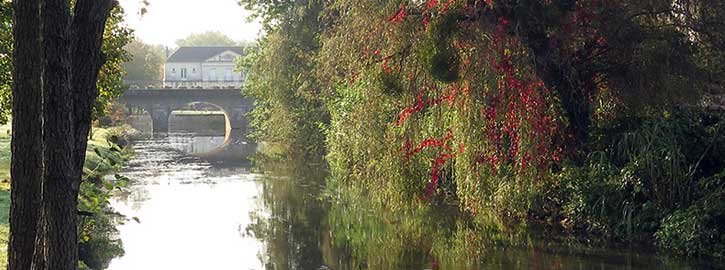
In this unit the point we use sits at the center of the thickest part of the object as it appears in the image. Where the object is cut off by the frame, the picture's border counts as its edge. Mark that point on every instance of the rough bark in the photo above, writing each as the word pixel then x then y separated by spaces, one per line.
pixel 88 26
pixel 27 152
pixel 51 124
pixel 60 189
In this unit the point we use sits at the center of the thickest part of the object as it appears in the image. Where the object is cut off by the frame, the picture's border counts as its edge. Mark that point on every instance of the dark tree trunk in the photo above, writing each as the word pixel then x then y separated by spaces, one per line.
pixel 26 168
pixel 60 190
pixel 88 26
pixel 53 121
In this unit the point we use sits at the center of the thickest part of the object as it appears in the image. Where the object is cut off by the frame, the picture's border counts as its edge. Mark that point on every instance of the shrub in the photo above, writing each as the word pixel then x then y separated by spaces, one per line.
pixel 700 228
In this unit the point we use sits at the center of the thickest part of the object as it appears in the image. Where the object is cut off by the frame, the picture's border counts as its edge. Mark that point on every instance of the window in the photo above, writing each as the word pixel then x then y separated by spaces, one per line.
pixel 193 70
pixel 183 73
pixel 212 74
pixel 173 70
pixel 228 74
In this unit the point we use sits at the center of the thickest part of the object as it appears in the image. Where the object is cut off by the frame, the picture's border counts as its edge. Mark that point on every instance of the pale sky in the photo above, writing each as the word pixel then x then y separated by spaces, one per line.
pixel 169 20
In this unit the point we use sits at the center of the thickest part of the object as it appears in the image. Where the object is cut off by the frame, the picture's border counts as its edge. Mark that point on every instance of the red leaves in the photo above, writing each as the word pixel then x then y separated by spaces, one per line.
pixel 420 105
pixel 407 112
pixel 516 129
pixel 430 142
pixel 438 162
pixel 431 4
pixel 385 66
pixel 399 16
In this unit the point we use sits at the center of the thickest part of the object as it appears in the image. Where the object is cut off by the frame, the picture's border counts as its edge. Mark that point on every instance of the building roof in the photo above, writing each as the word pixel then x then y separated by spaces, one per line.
pixel 199 54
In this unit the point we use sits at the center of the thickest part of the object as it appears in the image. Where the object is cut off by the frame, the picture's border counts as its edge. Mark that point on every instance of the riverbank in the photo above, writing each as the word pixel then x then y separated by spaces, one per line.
pixel 105 154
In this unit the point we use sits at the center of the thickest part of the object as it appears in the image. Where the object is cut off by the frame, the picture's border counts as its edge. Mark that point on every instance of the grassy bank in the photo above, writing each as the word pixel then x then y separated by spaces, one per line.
pixel 102 156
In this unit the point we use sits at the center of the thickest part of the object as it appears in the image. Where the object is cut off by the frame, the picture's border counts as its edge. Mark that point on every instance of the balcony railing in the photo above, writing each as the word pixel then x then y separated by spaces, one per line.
pixel 191 84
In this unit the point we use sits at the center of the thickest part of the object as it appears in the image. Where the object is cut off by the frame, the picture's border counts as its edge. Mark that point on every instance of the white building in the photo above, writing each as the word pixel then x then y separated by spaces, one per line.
pixel 203 67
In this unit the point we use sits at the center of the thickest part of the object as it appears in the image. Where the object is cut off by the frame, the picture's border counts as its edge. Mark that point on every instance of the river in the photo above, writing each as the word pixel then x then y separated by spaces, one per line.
pixel 192 214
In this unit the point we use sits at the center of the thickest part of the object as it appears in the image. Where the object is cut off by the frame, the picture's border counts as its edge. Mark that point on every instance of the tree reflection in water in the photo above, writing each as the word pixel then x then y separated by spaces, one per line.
pixel 308 221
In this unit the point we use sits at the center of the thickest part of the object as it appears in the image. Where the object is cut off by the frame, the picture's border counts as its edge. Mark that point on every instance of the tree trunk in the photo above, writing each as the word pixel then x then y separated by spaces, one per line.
pixel 88 26
pixel 60 190
pixel 50 126
pixel 26 167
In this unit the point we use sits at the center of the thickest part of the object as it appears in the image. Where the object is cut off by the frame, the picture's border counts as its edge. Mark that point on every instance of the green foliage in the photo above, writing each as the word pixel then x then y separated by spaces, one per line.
pixel 289 112
pixel 659 175
pixel 110 79
pixel 358 143
pixel 6 59
pixel 209 38
pixel 444 63
pixel 698 229
pixel 98 237
pixel 581 113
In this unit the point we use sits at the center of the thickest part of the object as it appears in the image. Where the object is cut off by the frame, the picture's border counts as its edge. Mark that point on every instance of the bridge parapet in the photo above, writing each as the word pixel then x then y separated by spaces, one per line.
pixel 160 103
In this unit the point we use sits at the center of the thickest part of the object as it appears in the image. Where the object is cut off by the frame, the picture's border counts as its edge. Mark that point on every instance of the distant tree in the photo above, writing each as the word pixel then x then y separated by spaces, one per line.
pixel 146 62
pixel 209 38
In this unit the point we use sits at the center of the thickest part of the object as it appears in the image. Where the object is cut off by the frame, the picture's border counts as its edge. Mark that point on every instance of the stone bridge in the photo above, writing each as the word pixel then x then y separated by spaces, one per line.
pixel 159 103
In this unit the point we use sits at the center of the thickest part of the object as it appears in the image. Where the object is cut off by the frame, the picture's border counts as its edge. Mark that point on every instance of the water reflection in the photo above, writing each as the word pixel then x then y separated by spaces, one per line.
pixel 305 225
pixel 291 220
pixel 191 214
pixel 195 215
pixel 191 143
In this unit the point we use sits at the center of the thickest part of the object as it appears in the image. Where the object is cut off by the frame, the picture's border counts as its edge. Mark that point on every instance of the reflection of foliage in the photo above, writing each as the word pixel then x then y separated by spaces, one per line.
pixel 416 238
pixel 291 222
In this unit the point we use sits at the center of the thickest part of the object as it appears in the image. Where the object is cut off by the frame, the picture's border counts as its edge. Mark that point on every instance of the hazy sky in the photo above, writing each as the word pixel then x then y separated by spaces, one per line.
pixel 169 20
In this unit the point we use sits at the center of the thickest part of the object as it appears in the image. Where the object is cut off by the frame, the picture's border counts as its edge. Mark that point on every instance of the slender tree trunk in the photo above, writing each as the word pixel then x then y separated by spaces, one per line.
pixel 26 168
pixel 60 190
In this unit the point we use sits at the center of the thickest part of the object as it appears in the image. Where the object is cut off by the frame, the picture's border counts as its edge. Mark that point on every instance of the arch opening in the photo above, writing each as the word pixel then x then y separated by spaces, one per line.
pixel 198 127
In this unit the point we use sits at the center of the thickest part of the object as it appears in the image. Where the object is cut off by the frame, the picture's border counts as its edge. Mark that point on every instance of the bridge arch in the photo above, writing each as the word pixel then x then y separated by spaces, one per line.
pixel 204 123
pixel 160 103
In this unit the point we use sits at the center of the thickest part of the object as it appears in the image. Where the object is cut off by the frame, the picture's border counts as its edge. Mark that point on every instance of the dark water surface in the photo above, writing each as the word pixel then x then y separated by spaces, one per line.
pixel 197 215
